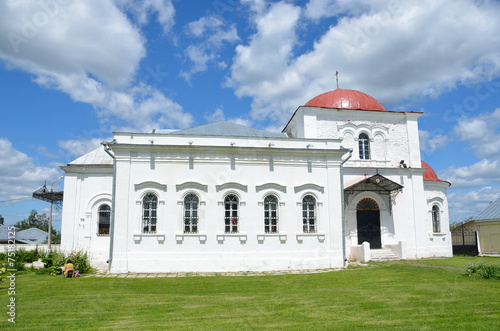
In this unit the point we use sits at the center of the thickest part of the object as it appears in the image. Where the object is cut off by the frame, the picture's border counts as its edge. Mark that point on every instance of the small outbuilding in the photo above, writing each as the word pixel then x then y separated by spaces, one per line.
pixel 488 227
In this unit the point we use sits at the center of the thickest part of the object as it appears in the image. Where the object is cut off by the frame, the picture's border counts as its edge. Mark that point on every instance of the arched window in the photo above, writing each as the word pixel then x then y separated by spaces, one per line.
pixel 104 214
pixel 149 213
pixel 309 214
pixel 436 227
pixel 191 213
pixel 231 214
pixel 271 214
pixel 364 146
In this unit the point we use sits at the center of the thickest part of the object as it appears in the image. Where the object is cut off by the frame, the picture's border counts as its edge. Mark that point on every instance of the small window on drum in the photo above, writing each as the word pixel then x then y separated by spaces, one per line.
pixel 364 146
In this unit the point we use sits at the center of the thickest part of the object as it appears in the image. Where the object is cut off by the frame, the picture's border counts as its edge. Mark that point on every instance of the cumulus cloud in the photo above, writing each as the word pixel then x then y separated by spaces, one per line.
pixel 218 115
pixel 259 69
pixel 479 174
pixel 74 148
pixel 19 175
pixel 91 51
pixel 91 37
pixel 142 10
pixel 210 36
pixel 392 50
pixel 316 9
pixel 463 205
pixel 482 133
pixel 430 142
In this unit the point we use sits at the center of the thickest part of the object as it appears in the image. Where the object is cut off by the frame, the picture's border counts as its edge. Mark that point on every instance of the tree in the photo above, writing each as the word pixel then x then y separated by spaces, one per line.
pixel 457 224
pixel 39 221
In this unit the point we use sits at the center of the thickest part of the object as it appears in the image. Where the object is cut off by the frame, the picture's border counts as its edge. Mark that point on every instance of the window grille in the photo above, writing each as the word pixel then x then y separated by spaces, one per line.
pixel 436 227
pixel 271 214
pixel 149 213
pixel 231 214
pixel 364 146
pixel 191 203
pixel 104 215
pixel 309 214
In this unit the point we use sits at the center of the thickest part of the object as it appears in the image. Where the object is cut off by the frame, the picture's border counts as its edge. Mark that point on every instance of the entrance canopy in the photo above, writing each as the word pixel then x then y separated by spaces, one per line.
pixel 376 183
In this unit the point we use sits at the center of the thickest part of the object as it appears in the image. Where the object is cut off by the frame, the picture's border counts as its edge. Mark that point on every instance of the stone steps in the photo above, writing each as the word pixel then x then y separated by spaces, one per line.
pixel 382 254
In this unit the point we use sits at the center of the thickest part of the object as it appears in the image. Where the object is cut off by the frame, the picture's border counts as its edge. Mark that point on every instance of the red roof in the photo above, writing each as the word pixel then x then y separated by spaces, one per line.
pixel 429 173
pixel 345 99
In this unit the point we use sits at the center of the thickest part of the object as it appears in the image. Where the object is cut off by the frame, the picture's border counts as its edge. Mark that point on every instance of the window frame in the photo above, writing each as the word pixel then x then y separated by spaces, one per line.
pixel 147 220
pixel 100 211
pixel 192 224
pixel 231 221
pixel 306 214
pixel 364 146
pixel 271 223
pixel 436 219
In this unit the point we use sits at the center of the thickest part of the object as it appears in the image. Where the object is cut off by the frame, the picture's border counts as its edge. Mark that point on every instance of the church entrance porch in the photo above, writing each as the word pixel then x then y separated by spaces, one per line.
pixel 369 217
pixel 368 223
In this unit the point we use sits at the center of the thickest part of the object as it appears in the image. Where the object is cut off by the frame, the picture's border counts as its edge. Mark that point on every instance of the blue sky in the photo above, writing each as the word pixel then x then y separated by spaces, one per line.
pixel 72 72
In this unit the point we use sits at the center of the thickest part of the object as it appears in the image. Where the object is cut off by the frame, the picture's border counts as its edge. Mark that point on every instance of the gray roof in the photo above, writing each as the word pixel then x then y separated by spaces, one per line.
pixel 34 235
pixel 28 236
pixel 96 157
pixel 490 213
pixel 224 128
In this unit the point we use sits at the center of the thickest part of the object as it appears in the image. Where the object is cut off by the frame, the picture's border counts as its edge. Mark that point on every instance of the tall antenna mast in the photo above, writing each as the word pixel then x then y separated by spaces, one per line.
pixel 337 77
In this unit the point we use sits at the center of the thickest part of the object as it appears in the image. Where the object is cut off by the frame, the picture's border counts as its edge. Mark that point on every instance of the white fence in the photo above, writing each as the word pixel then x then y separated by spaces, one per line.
pixel 40 247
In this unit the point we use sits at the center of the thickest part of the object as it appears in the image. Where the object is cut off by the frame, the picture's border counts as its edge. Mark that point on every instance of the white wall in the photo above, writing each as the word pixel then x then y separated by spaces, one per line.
pixel 175 170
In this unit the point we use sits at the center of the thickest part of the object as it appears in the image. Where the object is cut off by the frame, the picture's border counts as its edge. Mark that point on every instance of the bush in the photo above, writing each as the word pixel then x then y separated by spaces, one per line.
pixel 24 256
pixel 53 260
pixel 482 270
pixel 80 261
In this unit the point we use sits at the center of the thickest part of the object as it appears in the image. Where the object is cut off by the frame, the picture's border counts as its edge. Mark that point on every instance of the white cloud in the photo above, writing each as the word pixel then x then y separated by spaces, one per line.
pixel 75 148
pixel 218 115
pixel 141 10
pixel 91 37
pixel 259 69
pixel 476 175
pixel 19 175
pixel 463 205
pixel 392 50
pixel 317 9
pixel 210 34
pixel 430 142
pixel 482 133
pixel 91 51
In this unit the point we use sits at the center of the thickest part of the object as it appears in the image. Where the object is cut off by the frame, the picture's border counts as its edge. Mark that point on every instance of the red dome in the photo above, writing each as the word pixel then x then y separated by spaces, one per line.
pixel 345 99
pixel 429 174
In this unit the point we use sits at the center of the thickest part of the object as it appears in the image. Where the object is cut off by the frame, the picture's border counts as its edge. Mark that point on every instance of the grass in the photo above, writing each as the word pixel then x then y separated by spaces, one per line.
pixel 392 295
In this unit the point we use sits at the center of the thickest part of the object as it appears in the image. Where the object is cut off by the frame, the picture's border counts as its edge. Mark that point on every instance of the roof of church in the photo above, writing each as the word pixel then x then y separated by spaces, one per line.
pixel 224 128
pixel 345 99
pixel 429 173
pixel 491 212
pixel 96 157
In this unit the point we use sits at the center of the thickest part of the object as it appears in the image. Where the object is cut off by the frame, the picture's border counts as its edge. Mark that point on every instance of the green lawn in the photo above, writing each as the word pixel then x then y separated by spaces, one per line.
pixel 409 295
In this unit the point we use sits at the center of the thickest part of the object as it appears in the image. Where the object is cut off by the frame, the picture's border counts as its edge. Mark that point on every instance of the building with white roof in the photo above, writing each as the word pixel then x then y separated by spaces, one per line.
pixel 225 197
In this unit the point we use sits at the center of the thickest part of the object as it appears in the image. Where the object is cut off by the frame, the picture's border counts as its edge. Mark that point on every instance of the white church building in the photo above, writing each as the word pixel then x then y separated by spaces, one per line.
pixel 342 181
